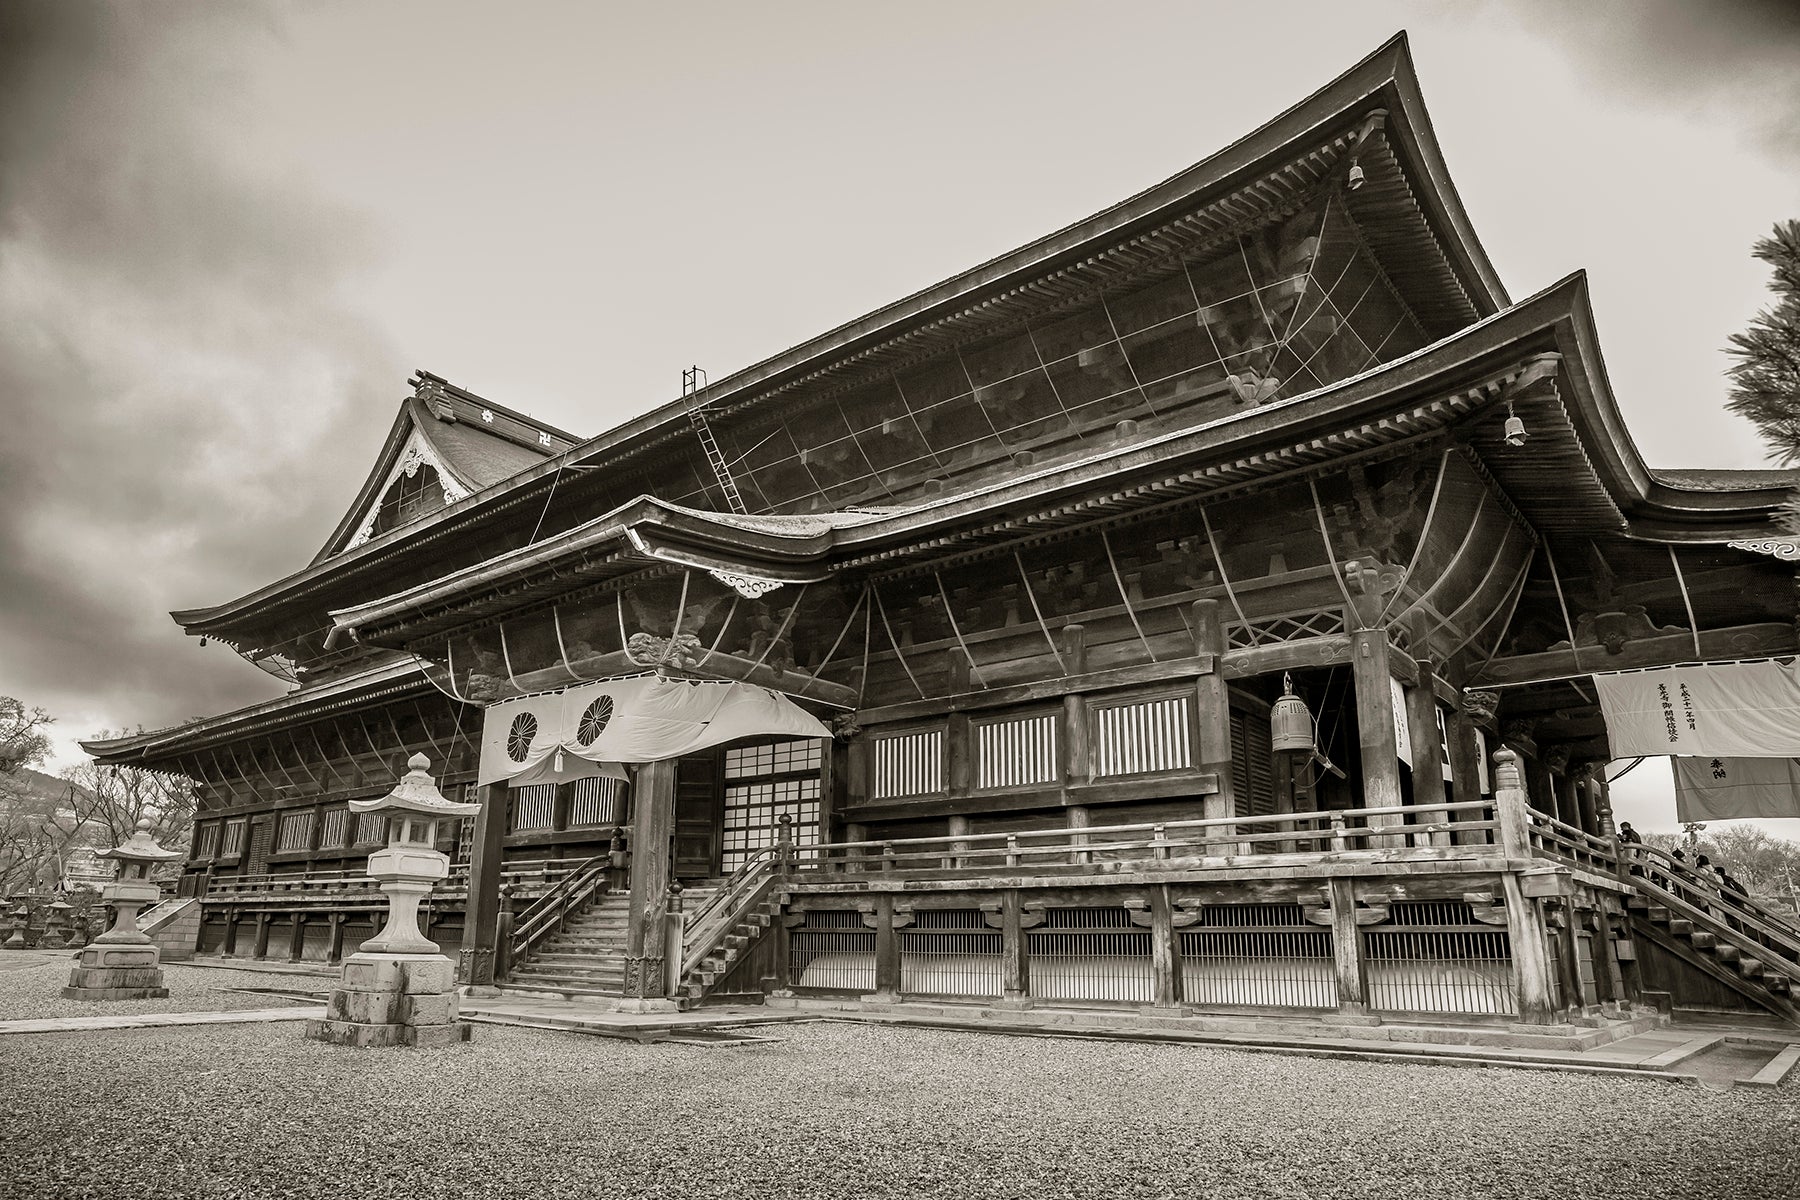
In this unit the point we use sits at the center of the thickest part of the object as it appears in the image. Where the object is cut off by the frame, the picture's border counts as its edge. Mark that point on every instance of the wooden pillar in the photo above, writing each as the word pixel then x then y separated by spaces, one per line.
pixel 1165 963
pixel 1079 820
pixel 1511 806
pixel 1214 707
pixel 1527 939
pixel 260 947
pixel 481 909
pixel 229 946
pixel 959 747
pixel 782 952
pixel 887 950
pixel 1346 951
pixel 1375 721
pixel 1427 750
pixel 296 936
pixel 958 826
pixel 652 824
pixel 334 943
pixel 1465 766
pixel 1077 749
pixel 1015 962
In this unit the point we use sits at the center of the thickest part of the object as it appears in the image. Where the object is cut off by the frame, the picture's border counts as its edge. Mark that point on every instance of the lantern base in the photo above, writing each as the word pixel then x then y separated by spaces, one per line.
pixel 392 1000
pixel 115 972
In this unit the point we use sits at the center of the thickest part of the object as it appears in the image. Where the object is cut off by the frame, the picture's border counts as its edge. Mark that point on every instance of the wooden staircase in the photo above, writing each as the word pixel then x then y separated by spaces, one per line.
pixel 743 929
pixel 1732 939
pixel 586 955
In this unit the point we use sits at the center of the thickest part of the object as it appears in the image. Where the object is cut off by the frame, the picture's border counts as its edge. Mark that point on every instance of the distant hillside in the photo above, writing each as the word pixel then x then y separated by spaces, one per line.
pixel 36 790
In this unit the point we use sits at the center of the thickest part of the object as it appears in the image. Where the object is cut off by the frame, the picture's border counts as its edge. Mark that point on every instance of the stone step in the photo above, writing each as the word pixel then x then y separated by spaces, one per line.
pixel 1727 952
pixel 1681 926
pixel 1703 939
pixel 597 982
pixel 1750 968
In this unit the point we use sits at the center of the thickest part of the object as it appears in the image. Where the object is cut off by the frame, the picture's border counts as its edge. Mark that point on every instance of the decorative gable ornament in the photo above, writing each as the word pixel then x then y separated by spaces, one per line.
pixel 1786 549
pixel 415 454
pixel 748 586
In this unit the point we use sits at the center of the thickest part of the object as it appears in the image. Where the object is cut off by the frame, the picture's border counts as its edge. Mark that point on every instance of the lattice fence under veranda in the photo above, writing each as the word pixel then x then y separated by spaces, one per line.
pixel 949 952
pixel 1433 956
pixel 833 952
pixel 1090 954
pixel 1258 955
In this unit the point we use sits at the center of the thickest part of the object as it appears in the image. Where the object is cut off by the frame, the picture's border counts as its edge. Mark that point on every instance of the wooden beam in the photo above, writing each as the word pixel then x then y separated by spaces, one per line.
pixel 1046 689
pixel 1214 710
pixel 1741 641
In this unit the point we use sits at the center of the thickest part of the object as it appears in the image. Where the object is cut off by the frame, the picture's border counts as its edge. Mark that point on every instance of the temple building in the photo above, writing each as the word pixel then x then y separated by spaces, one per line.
pixel 1192 610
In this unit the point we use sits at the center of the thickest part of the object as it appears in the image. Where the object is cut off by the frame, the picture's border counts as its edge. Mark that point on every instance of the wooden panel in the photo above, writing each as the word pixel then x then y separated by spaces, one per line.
pixel 1252 764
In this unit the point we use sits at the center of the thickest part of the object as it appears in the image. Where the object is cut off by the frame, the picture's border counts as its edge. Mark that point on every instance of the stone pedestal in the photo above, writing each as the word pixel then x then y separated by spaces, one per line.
pixel 114 972
pixel 121 964
pixel 393 1000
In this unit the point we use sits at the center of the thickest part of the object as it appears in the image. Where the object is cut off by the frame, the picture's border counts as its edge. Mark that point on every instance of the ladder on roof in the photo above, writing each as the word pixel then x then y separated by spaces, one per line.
pixel 692 380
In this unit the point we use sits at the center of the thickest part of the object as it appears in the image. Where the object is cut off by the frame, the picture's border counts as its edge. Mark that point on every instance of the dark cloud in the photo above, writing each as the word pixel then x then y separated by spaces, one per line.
pixel 1738 60
pixel 180 370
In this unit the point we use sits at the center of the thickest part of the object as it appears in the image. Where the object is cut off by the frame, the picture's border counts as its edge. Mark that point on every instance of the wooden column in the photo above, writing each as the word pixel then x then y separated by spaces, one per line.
pixel 1427 750
pixel 260 947
pixel 1214 707
pixel 958 826
pixel 1015 962
pixel 1465 764
pixel 296 936
pixel 481 911
pixel 1165 963
pixel 887 950
pixel 1346 952
pixel 229 946
pixel 652 824
pixel 1079 819
pixel 1528 940
pixel 1511 806
pixel 334 944
pixel 1375 720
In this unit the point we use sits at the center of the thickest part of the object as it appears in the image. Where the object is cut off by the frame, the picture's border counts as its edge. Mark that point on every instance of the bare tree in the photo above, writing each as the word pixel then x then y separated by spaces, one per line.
pixel 23 742
pixel 113 799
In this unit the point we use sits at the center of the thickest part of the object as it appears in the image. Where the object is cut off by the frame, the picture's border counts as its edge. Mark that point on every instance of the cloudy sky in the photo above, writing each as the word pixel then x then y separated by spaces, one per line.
pixel 228 233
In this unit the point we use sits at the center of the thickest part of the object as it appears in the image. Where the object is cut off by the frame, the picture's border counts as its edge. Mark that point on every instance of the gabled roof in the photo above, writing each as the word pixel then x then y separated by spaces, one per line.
pixel 472 442
pixel 1374 113
pixel 1579 471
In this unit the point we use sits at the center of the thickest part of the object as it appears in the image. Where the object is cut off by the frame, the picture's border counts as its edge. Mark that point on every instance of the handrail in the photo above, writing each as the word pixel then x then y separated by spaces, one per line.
pixel 1430 825
pixel 701 933
pixel 1579 846
pixel 548 911
pixel 1704 900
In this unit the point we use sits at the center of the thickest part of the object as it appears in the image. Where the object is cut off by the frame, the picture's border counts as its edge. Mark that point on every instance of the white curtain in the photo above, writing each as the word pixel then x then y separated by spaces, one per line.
pixel 589 729
pixel 1741 710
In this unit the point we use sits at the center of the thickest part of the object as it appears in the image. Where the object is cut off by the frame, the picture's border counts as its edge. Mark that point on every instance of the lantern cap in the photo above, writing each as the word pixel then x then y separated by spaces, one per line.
pixel 416 793
pixel 139 847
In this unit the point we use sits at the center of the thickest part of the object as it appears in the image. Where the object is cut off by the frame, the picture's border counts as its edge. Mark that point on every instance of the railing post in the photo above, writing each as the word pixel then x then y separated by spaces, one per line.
pixel 784 845
pixel 1527 939
pixel 503 935
pixel 1511 805
pixel 1012 850
pixel 887 951
pixel 1213 708
pixel 887 856
pixel 1338 839
pixel 1346 950
pixel 1015 978
pixel 674 940
pixel 1159 842
pixel 1165 963
pixel 958 825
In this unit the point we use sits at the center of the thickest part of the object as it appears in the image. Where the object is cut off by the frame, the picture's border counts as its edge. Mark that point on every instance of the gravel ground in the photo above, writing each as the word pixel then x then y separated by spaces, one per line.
pixel 31 984
pixel 848 1111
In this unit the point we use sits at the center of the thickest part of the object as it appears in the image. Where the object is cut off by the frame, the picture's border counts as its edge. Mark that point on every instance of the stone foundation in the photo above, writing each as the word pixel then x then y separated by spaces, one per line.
pixel 114 972
pixel 393 1000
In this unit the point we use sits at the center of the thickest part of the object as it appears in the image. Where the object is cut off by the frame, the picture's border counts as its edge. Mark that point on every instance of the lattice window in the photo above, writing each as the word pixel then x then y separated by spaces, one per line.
pixel 533 808
pixel 773 758
pixel 1017 751
pixel 206 840
pixel 296 832
pixel 753 813
pixel 595 802
pixel 234 838
pixel 1291 627
pixel 371 829
pixel 335 829
pixel 908 764
pixel 1140 737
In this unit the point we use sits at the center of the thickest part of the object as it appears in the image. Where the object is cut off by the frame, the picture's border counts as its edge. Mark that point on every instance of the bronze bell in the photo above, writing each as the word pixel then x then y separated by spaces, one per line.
pixel 1290 724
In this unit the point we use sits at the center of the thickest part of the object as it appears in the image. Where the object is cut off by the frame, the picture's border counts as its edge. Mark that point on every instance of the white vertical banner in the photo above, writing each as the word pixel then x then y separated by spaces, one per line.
pixel 1402 728
pixel 1725 710
pixel 1735 789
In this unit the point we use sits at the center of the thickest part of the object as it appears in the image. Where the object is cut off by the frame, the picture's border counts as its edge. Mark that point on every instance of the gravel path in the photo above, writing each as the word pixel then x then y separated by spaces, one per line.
pixel 31 984
pixel 849 1111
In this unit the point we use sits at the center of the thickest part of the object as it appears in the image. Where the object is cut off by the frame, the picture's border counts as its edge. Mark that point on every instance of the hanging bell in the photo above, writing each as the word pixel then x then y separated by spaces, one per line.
pixel 1515 430
pixel 1290 724
pixel 1355 179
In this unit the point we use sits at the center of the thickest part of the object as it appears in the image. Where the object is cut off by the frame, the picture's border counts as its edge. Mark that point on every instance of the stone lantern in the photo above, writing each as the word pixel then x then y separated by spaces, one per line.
pixel 21 923
pixel 123 964
pixel 56 925
pixel 397 990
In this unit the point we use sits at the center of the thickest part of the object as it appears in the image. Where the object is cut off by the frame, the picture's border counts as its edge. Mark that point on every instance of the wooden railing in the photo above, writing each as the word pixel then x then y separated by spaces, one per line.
pixel 1741 920
pixel 1438 827
pixel 1559 839
pixel 703 929
pixel 547 913
pixel 530 877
